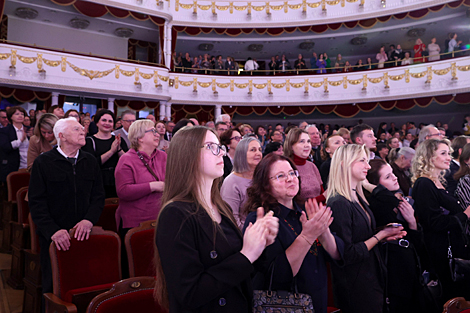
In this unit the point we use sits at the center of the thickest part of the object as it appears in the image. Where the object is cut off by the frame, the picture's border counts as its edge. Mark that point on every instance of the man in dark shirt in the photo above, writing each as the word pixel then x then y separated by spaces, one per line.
pixel 65 191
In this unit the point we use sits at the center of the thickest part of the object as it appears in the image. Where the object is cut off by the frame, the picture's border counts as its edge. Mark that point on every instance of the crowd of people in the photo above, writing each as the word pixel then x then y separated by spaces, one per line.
pixel 321 63
pixel 241 208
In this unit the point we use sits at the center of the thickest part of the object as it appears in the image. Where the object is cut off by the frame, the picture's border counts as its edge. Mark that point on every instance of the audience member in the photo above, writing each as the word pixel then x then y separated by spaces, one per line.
pixel 315 140
pixel 220 127
pixel 418 49
pixel 457 146
pixel 274 147
pixel 429 132
pixel 381 57
pixel 247 156
pixel 3 119
pixel 73 113
pixel 434 50
pixel 170 125
pixel 163 144
pixel 462 176
pixel 230 139
pixel 400 161
pixel 127 118
pixel 363 134
pixel 331 144
pixel 43 139
pixel 57 111
pixel 180 124
pixel 152 118
pixel 65 192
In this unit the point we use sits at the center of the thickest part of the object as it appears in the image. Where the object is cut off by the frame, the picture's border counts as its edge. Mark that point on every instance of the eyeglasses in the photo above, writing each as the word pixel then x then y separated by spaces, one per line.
pixel 433 135
pixel 153 130
pixel 128 121
pixel 237 138
pixel 215 148
pixel 284 177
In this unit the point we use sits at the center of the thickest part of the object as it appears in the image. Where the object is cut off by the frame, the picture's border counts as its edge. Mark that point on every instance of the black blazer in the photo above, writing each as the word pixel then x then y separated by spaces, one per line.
pixel 358 285
pixel 449 176
pixel 228 166
pixel 9 157
pixel 202 273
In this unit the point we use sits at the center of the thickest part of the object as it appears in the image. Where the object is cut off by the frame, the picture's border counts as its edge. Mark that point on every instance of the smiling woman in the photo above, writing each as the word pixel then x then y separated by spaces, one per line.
pixel 106 148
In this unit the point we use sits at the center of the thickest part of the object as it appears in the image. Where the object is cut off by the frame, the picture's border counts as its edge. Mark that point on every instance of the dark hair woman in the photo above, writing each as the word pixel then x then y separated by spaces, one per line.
pixel 304 240
pixel 202 261
pixel 230 139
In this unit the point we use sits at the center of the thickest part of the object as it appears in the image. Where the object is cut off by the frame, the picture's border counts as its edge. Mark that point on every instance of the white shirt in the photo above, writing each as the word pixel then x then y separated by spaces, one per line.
pixel 251 65
pixel 22 146
pixel 66 156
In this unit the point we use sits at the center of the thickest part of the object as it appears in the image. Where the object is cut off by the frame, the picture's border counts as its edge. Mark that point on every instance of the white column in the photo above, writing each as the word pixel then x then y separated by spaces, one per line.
pixel 168 111
pixel 162 110
pixel 218 111
pixel 167 44
pixel 55 98
pixel 111 104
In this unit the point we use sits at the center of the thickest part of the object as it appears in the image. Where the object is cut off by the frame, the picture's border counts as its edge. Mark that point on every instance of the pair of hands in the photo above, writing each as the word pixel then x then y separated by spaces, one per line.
pixel 317 220
pixel 260 234
pixel 116 145
pixel 62 238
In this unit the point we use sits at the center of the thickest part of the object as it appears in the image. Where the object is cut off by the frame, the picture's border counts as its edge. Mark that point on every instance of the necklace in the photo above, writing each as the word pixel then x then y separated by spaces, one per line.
pixel 315 244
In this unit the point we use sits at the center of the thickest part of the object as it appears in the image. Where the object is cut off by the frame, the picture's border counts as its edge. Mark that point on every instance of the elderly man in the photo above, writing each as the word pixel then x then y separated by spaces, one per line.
pixel 315 139
pixel 224 118
pixel 127 118
pixel 210 124
pixel 220 127
pixel 65 191
pixel 429 132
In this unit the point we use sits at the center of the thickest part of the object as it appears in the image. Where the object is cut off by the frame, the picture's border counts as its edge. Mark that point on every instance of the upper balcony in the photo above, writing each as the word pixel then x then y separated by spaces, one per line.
pixel 261 13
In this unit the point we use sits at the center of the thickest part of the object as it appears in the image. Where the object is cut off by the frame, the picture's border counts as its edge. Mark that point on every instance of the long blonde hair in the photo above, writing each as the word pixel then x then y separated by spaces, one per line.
pixel 422 164
pixel 339 181
pixel 182 183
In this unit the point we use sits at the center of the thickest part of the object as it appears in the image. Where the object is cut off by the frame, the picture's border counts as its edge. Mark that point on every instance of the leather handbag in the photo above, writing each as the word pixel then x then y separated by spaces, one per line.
pixel 269 301
pixel 459 268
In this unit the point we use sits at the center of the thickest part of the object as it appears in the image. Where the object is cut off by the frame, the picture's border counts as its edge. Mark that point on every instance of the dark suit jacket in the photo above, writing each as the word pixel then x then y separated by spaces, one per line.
pixel 196 280
pixel 358 285
pixel 449 176
pixel 9 157
pixel 228 166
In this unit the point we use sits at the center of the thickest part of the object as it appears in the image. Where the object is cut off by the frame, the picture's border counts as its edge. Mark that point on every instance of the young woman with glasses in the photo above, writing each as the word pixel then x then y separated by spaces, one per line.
pixel 304 241
pixel 230 139
pixel 203 263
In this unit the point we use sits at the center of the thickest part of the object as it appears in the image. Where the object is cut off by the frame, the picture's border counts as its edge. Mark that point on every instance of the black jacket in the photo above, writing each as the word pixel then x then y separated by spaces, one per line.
pixel 9 157
pixel 61 194
pixel 449 176
pixel 197 282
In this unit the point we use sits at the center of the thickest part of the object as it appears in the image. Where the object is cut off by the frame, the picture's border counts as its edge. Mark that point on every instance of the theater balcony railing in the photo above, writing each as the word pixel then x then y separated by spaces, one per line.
pixel 44 70
pixel 263 13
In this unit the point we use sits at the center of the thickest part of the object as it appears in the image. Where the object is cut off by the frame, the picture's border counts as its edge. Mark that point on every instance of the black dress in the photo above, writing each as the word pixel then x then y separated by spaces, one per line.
pixel 358 285
pixel 439 213
pixel 204 269
pixel 98 147
pixel 312 276
pixel 403 282
pixel 325 172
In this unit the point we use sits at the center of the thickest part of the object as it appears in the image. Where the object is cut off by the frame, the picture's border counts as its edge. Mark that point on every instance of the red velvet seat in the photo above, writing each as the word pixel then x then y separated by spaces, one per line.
pixel 129 295
pixel 108 217
pixel 15 181
pixel 140 243
pixel 457 305
pixel 87 269
pixel 20 240
pixel 32 270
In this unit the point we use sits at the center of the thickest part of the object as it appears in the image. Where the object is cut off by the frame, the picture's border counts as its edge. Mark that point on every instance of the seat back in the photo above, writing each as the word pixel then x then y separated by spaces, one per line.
pixel 15 181
pixel 111 201
pixel 108 217
pixel 88 263
pixel 140 247
pixel 457 305
pixel 34 236
pixel 23 205
pixel 129 295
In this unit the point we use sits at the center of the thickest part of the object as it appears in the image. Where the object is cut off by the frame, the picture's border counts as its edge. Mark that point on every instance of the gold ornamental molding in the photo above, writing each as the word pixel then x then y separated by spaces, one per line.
pixel 231 7
pixel 89 73
pixel 386 79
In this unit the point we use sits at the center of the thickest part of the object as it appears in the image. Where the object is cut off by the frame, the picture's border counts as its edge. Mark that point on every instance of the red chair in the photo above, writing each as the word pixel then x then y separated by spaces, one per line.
pixel 32 270
pixel 87 269
pixel 140 247
pixel 457 305
pixel 21 240
pixel 129 295
pixel 15 181
pixel 108 217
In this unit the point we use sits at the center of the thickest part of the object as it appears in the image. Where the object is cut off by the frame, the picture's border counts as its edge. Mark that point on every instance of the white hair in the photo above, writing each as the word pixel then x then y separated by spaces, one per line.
pixel 221 118
pixel 310 126
pixel 60 127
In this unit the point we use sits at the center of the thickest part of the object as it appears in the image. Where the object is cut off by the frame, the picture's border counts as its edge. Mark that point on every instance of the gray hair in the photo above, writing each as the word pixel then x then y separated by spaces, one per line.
pixel 407 152
pixel 221 118
pixel 426 131
pixel 127 112
pixel 60 127
pixel 310 126
pixel 137 131
pixel 240 164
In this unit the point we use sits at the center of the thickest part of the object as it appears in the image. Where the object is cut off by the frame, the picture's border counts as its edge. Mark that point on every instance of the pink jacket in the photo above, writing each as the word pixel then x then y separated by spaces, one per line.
pixel 136 202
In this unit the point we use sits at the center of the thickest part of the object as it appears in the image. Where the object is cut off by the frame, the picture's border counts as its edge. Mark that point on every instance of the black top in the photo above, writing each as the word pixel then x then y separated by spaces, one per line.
pixel 9 157
pixel 312 276
pixel 358 285
pixel 325 172
pixel 204 269
pixel 451 185
pixel 228 166
pixel 403 179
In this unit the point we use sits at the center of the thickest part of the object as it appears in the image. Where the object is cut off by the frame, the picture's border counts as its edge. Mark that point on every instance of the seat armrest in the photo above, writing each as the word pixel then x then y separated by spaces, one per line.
pixel 56 305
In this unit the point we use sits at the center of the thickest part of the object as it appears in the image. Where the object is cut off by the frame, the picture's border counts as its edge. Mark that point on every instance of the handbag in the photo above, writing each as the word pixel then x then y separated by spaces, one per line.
pixel 281 301
pixel 459 268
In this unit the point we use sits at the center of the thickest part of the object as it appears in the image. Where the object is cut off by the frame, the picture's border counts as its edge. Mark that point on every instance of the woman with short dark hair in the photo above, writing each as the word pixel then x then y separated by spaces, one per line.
pixel 107 149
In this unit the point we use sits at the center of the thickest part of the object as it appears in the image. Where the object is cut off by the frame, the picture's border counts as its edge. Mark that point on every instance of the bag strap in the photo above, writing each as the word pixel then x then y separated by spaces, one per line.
pixel 150 169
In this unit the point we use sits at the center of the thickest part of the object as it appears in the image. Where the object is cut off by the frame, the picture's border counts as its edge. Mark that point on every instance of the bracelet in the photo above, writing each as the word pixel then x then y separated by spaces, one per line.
pixel 306 239
pixel 376 238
